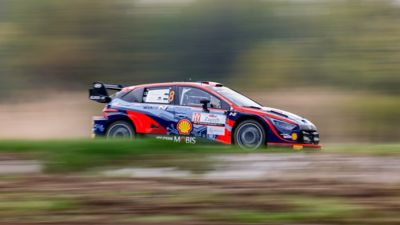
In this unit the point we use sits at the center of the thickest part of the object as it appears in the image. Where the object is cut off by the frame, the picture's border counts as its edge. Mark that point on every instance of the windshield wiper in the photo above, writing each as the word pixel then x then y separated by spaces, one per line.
pixel 252 106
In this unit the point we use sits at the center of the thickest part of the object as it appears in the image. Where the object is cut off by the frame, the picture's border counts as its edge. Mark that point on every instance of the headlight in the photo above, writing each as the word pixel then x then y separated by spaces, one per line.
pixel 283 126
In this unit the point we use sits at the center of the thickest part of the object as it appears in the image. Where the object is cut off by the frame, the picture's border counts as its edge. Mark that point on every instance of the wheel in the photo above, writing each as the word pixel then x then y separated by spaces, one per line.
pixel 250 135
pixel 120 130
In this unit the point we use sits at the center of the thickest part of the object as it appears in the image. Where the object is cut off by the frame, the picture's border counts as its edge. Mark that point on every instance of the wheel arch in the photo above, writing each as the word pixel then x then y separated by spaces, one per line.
pixel 123 117
pixel 250 117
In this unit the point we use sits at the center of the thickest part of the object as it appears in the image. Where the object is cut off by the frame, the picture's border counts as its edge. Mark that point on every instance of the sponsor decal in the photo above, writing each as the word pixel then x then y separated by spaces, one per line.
pixel 178 139
pixel 165 138
pixel 98 127
pixel 157 96
pixel 98 85
pixel 184 127
pixel 213 130
pixel 96 97
pixel 232 114
pixel 163 107
pixel 208 119
pixel 196 117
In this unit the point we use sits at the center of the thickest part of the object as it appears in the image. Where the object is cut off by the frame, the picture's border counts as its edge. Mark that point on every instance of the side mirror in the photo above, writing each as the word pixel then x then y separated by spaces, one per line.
pixel 205 103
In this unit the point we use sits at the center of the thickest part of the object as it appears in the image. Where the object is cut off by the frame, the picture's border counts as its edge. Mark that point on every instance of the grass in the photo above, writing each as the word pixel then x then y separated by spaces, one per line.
pixel 79 155
pixel 35 205
pixel 303 209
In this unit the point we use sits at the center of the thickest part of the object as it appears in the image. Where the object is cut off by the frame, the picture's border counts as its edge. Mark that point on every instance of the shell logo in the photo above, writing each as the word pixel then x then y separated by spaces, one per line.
pixel 184 127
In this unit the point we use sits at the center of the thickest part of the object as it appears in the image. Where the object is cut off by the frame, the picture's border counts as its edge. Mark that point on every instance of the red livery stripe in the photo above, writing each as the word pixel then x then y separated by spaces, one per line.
pixel 145 124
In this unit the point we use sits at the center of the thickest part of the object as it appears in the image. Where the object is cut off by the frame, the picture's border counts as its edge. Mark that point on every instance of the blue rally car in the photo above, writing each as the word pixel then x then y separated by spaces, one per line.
pixel 193 111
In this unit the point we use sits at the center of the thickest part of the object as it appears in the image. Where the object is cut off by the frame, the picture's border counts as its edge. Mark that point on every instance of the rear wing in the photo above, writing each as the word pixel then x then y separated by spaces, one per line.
pixel 98 92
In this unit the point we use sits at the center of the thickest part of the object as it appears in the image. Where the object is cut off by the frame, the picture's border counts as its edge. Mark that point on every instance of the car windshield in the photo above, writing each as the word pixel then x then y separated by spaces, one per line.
pixel 236 98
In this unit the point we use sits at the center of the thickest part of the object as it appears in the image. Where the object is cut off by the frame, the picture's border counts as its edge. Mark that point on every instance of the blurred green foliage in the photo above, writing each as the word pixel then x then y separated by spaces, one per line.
pixel 80 155
pixel 34 205
pixel 378 116
pixel 304 208
pixel 350 44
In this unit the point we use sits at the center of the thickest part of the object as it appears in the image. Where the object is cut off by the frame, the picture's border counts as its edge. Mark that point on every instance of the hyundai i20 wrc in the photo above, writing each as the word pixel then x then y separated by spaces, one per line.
pixel 193 112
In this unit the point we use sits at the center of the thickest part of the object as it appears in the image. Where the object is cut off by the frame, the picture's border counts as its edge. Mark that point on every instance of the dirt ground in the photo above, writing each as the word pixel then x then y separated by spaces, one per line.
pixel 90 200
pixel 49 116
pixel 296 189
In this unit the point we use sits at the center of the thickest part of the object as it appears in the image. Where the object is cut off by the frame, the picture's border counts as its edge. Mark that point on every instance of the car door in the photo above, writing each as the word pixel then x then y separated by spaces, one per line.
pixel 155 114
pixel 193 120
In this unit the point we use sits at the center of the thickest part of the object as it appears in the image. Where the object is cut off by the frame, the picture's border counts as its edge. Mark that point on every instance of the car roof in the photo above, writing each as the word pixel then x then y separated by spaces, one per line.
pixel 199 83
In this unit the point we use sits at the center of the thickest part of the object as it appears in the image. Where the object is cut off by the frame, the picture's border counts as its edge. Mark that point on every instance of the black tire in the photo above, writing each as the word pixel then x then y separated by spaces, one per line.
pixel 120 130
pixel 250 135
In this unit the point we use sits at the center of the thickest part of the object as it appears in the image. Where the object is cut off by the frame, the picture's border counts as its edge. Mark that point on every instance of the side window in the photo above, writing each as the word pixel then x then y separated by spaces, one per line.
pixel 191 96
pixel 133 96
pixel 160 95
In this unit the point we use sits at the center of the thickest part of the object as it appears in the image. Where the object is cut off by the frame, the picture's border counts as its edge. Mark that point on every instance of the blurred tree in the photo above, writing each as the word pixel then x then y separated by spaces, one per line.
pixel 68 44
pixel 353 44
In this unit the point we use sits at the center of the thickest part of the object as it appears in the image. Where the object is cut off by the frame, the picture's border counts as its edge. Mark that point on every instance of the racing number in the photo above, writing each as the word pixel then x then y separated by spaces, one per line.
pixel 171 96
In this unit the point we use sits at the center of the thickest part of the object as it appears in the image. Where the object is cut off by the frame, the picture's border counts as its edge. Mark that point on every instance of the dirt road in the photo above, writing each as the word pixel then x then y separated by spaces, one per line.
pixel 300 188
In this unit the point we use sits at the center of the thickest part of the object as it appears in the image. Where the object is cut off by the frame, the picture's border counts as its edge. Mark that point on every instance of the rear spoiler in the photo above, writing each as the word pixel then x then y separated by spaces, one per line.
pixel 98 92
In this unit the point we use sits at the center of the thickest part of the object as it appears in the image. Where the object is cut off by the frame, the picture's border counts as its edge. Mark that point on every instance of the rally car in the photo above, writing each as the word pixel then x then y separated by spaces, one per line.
pixel 192 112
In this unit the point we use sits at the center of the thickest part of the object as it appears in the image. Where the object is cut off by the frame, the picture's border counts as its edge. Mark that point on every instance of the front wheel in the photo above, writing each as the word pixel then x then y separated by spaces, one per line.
pixel 250 135
pixel 120 130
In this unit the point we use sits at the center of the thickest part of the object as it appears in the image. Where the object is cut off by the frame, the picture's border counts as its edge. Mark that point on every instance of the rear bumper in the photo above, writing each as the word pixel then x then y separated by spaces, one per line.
pixel 99 126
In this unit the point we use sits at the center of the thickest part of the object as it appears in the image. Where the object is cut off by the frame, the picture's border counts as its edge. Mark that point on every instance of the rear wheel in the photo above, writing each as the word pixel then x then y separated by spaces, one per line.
pixel 250 135
pixel 120 130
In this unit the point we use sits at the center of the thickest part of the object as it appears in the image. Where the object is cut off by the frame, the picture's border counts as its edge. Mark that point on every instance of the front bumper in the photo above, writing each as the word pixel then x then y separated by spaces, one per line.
pixel 309 137
pixel 306 139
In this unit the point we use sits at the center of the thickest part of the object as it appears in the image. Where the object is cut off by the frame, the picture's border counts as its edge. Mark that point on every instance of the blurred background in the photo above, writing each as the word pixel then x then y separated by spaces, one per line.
pixel 334 62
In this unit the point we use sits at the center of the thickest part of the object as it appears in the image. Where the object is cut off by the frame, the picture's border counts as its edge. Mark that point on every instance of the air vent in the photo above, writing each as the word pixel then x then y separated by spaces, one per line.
pixel 278 113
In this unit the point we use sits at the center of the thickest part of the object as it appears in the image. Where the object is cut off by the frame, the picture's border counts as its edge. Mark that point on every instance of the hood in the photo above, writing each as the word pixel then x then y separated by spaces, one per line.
pixel 303 122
